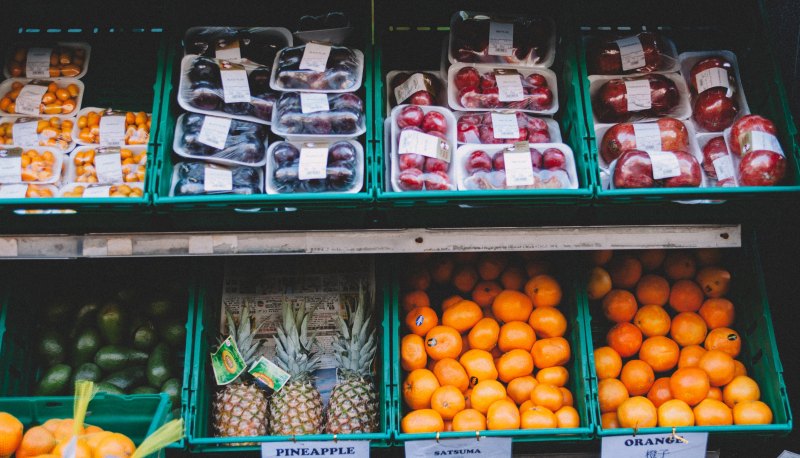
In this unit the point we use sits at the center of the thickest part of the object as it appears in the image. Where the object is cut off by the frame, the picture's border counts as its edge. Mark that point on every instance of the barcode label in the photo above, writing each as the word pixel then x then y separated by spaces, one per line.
pixel 631 53
pixel 501 38
pixel 665 164
pixel 638 95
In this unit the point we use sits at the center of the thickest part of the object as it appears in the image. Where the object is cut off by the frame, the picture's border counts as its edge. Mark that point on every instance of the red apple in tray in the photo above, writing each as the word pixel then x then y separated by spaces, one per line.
pixel 604 58
pixel 610 103
pixel 622 137
pixel 634 169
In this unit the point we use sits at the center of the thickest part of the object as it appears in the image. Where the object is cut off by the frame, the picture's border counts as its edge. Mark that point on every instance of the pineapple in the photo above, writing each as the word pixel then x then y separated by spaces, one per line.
pixel 353 406
pixel 297 408
pixel 240 408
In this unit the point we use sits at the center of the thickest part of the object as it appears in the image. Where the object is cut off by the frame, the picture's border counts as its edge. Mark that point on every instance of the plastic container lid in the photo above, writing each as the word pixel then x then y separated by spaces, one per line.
pixel 553 129
pixel 11 157
pixel 70 175
pixel 179 147
pixel 358 180
pixel 176 177
pixel 76 130
pixel 682 111
pixel 87 49
pixel 279 127
pixel 452 90
pixel 62 83
pixel 42 136
pixel 356 84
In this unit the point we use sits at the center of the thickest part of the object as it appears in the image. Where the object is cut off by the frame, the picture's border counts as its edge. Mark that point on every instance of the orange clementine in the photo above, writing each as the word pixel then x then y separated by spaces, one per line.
pixel 443 342
pixel 686 296
pixel 690 356
pixel 448 401
pixel 513 278
pixel 568 417
pixel 515 363
pixel 52 424
pixel 719 367
pixel 418 387
pixel 752 413
pixel 491 265
pixel 412 352
pixel 82 449
pixel 422 421
pixel 660 352
pixel 548 322
pixel 610 394
pixel 689 384
pixel 502 414
pixel 739 368
pixel 742 388
pixel 544 291
pixel 659 393
pixel 66 430
pixel 714 393
pixel 516 335
pixel 538 417
pixel 637 412
pixel 464 278
pixel 485 292
pixel 714 281
pixel 10 433
pixel 609 420
pixel 625 271
pixel 450 372
pixel 448 425
pixel 451 301
pixel 520 388
pixel 553 351
pixel 599 283
pixel 116 445
pixel 418 279
pixel 625 339
pixel 556 376
pixel 414 299
pixel 652 290
pixel 637 376
pixel 651 259
pixel 607 363
pixel 600 257
pixel 537 267
pixel 441 269
pixel 568 399
pixel 465 257
pixel 708 256
pixel 479 365
pixel 462 316
pixel 526 405
pixel 93 439
pixel 688 328
pixel 420 320
pixel 548 396
pixel 469 420
pixel 652 320
pixel 485 393
pixel 619 306
pixel 711 412
pixel 512 305
pixel 717 313
pixel 724 339
pixel 484 335
pixel 679 265
pixel 674 413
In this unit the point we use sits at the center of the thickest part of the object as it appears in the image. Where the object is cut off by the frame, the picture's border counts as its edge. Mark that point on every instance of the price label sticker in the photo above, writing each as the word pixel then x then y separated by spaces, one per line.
pixel 505 125
pixel 678 445
pixel 631 52
pixel 24 133
pixel 214 131
pixel 228 51
pixel 112 130
pixel 519 168
pixel 755 140
pixel 269 374
pixel 648 136
pixel 638 95
pixel 713 77
pixel 235 87
pixel 486 447
pixel 10 169
pixel 413 142
pixel 227 362
pixel 313 102
pixel 351 449
pixel 217 179
pixel 315 57
pixel 723 166
pixel 411 86
pixel 13 191
pixel 313 163
pixel 29 99
pixel 97 191
pixel 509 86
pixel 108 167
pixel 37 63
pixel 501 38
pixel 665 164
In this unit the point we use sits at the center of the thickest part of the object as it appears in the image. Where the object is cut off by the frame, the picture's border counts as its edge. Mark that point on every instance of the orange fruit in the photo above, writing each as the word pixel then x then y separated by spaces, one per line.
pixel 448 425
pixel 420 320
pixel 513 278
pixel 637 376
pixel 516 335
pixel 537 267
pixel 651 259
pixel 688 328
pixel 414 299
pixel 418 387
pixel 412 352
pixel 419 279
pixel 607 363
pixel 443 342
pixel 502 414
pixel 609 420
pixel 600 257
pixel 708 256
pixel 548 396
pixel 51 424
pixel 625 339
pixel 714 393
pixel 739 368
pixel 422 421
pixel 652 320
pixel 485 292
pixel 538 417
pixel 544 291
pixel 742 388
pixel 479 365
pixel 619 306
pixel 550 352
pixel 450 372
pixel 690 356
pixel 548 322
pixel 719 367
pixel 512 305
pixel 485 393
pixel 724 339
pixel 515 363
pixel 689 384
pixel 10 433
pixel 441 268
pixel 526 405
pixel 484 335
pixel 679 265
pixel 686 296
pixel 717 313
pixel 568 417
pixel 65 430
pixel 465 257
pixel 674 413
pixel 637 412
pixel 451 301
pixel 752 413
pixel 116 445
pixel 91 429
pixel 491 265
pixel 520 388
pixel 93 439
pixel 711 412
pixel 660 352
pixel 652 290
pixel 462 316
pixel 82 449
pixel 464 278
pixel 714 281
pixel 469 420
pixel 625 271
pixel 659 393
pixel 610 394
pixel 556 376
pixel 448 401
pixel 599 283
pixel 568 399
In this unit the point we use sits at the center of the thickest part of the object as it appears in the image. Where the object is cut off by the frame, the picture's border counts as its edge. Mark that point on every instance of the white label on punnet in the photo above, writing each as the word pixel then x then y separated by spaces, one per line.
pixel 648 136
pixel 631 53
pixel 712 77
pixel 29 99
pixel 37 63
pixel 723 166
pixel 313 162
pixel 10 169
pixel 315 57
pixel 509 88
pixel 638 95
pixel 235 87
pixel 519 168
pixel 112 130
pixel 97 191
pixel 214 131
pixel 501 38
pixel 313 102
pixel 108 167
pixel 505 125
pixel 413 142
pixel 13 191
pixel 24 133
pixel 230 51
pixel 411 86
pixel 216 180
pixel 665 164
pixel 756 140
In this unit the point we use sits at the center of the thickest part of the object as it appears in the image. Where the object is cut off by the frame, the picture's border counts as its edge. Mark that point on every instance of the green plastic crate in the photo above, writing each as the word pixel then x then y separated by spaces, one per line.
pixel 125 72
pixel 697 26
pixel 200 430
pixel 759 349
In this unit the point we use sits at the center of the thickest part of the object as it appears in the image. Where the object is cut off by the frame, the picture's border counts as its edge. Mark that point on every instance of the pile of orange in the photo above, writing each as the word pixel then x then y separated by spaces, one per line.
pixel 491 354
pixel 670 354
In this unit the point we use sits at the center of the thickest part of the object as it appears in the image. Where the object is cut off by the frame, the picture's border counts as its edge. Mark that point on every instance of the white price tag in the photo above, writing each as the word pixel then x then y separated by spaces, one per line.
pixel 486 447
pixel 413 142
pixel 638 95
pixel 505 125
pixel 510 88
pixel 10 169
pixel 519 168
pixel 97 191
pixel 648 136
pixel 24 133
pixel 29 99
pixel 680 445
pixel 108 167
pixel 313 102
pixel 13 191
pixel 712 77
pixel 411 86
pixel 501 38
pixel 665 164
pixel 315 57
pixel 756 140
pixel 112 130
pixel 214 131
pixel 235 87
pixel 37 63
pixel 229 51
pixel 217 179
pixel 354 449
pixel 723 166
pixel 631 52
pixel 313 162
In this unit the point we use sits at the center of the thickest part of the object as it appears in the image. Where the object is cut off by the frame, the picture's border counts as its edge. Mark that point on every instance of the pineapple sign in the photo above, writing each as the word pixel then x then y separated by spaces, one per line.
pixel 353 449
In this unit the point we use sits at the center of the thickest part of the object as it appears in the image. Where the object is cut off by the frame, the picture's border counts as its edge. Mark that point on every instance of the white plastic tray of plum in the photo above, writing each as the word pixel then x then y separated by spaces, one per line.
pixel 245 143
pixel 339 116
pixel 342 167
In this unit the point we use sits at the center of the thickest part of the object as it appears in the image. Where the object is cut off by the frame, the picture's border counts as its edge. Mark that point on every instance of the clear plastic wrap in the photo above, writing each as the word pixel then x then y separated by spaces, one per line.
pixel 496 38
pixel 333 28
pixel 64 59
pixel 665 134
pixel 754 143
pixel 433 130
pixel 89 127
pixel 107 164
pixel 342 164
pixel 102 190
pixel 203 89
pixel 25 97
pixel 256 45
pixel 719 165
pixel 27 191
pixel 716 86
pixel 242 143
pixel 491 87
pixel 293 118
pixel 625 54
pixel 196 178
pixel 654 169
pixel 478 128
pixel 51 132
pixel 642 98
pixel 418 87
pixel 318 68
pixel 30 165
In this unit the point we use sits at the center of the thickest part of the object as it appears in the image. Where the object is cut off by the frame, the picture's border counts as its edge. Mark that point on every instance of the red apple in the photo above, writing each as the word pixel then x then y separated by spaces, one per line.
pixel 498 161
pixel 690 176
pixel 421 98
pixel 714 111
pixel 437 181
pixel 541 98
pixel 411 115
pixel 435 165
pixel 611 101
pixel 535 80
pixel 713 150
pixel 621 137
pixel 762 168
pixel 538 136
pixel 478 160
pixel 553 158
pixel 410 180
pixel 469 97
pixel 531 122
pixel 411 161
pixel 434 122
pixel 707 63
pixel 488 81
pixel 633 170
pixel 468 133
pixel 604 56
pixel 536 158
pixel 747 124
pixel 467 77
pixel 473 119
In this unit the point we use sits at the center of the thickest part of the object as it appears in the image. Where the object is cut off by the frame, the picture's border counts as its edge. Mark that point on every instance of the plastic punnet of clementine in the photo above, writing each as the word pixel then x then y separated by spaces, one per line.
pixel 485 292
pixel 661 353
pixel 637 376
pixel 625 339
pixel 689 384
pixel 412 352
pixel 652 320
pixel 422 421
pixel 554 351
pixel 450 372
pixel 512 305
pixel 607 363
pixel 652 290
pixel 599 283
pixel 469 420
pixel 462 316
pixel 484 335
pixel 619 306
pixel 610 394
pixel 544 291
pixel 516 335
pixel 548 322
pixel 443 342
pixel 637 413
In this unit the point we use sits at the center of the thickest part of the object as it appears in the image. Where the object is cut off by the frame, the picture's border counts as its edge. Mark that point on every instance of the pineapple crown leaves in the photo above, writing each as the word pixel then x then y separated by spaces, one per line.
pixel 244 335
pixel 293 350
pixel 355 348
